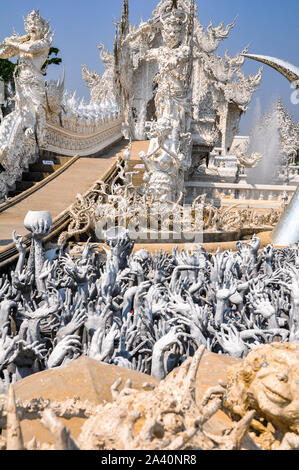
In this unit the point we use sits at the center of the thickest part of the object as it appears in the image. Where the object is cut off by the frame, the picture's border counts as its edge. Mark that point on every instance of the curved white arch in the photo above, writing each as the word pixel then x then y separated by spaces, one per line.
pixel 286 231
pixel 288 70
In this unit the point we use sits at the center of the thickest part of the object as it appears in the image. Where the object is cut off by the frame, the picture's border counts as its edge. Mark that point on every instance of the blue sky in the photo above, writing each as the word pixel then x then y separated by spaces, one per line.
pixel 270 26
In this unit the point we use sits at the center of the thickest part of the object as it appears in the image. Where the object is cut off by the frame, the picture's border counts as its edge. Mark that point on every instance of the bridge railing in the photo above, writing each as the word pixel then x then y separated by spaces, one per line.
pixel 9 254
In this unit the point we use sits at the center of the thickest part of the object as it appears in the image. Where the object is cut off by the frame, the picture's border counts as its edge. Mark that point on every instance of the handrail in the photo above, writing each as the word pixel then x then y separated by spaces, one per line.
pixel 9 254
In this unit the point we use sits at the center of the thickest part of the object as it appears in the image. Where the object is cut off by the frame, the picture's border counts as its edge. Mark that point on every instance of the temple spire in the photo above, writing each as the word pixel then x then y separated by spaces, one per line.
pixel 190 42
pixel 124 28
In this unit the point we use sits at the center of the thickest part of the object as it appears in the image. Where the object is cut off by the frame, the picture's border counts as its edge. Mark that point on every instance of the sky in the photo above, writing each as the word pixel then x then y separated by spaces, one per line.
pixel 269 26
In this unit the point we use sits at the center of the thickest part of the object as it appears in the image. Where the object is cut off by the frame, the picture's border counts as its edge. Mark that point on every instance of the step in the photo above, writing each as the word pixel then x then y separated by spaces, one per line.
pixel 24 185
pixel 44 163
pixel 34 176
pixel 40 168
pixel 38 171
pixel 46 155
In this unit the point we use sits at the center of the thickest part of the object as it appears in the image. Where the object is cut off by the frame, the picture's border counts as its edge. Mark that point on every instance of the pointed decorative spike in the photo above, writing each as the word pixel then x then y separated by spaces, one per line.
pixel 125 19
pixel 14 433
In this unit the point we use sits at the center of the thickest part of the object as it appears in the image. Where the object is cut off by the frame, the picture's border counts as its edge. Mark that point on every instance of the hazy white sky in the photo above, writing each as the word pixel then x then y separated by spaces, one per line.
pixel 270 26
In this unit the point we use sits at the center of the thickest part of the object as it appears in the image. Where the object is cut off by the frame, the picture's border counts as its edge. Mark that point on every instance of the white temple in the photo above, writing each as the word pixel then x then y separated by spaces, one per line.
pixel 164 82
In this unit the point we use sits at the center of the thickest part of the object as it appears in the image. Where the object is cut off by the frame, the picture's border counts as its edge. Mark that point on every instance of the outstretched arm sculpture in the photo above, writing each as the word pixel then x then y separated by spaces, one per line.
pixel 147 312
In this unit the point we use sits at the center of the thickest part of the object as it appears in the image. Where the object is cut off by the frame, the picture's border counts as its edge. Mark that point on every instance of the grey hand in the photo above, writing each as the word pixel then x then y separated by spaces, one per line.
pixel 102 346
pixel 76 322
pixel 19 242
pixel 68 344
pixel 8 346
pixel 263 306
pixel 230 340
pixel 168 340
pixel 36 349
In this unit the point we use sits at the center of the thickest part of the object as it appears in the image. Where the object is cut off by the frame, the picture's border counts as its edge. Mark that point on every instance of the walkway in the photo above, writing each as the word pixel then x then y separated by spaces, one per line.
pixel 58 194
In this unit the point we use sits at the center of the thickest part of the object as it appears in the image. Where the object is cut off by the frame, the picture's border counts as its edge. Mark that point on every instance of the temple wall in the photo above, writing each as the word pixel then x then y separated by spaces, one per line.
pixel 87 142
pixel 143 93
pixel 227 194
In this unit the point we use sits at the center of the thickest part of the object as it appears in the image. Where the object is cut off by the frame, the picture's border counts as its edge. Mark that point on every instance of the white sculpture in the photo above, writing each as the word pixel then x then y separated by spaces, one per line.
pixel 101 87
pixel 17 146
pixel 245 160
pixel 169 154
pixel 45 116
pixel 288 133
pixel 164 71
pixel 219 92
pixel 144 216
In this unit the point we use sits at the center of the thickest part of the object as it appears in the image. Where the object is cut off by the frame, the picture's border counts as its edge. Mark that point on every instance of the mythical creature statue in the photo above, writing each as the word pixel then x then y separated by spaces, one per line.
pixel 219 93
pixel 169 153
pixel 101 86
pixel 267 381
pixel 17 146
pixel 245 160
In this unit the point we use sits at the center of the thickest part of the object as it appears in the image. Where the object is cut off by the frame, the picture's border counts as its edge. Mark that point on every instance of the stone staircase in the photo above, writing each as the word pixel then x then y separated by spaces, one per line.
pixel 45 165
pixel 64 178
pixel 49 162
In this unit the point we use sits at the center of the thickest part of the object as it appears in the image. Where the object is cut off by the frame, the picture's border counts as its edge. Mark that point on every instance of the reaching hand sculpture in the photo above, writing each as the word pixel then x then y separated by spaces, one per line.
pixel 7 347
pixel 102 347
pixel 69 345
pixel 266 309
pixel 77 321
pixel 160 347
pixel 143 311
pixel 39 224
pixel 231 342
